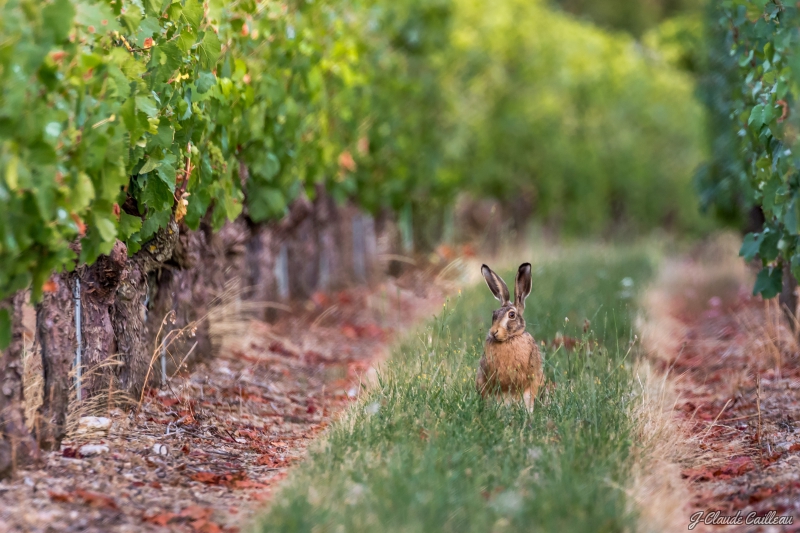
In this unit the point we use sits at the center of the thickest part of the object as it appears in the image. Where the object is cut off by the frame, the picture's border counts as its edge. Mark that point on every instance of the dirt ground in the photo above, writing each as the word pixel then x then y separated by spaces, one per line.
pixel 204 453
pixel 735 368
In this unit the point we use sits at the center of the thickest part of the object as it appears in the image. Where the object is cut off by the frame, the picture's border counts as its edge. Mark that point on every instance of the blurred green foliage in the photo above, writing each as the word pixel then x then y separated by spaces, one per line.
pixel 721 180
pixel 635 17
pixel 596 129
pixel 755 158
pixel 105 106
pixel 117 115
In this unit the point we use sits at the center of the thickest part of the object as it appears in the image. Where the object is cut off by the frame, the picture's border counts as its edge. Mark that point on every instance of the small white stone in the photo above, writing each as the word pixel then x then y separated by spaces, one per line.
pixel 93 425
pixel 87 450
pixel 160 449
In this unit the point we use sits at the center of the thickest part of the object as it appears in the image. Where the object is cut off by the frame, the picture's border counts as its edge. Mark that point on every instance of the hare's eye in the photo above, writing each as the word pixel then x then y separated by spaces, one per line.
pixel 512 315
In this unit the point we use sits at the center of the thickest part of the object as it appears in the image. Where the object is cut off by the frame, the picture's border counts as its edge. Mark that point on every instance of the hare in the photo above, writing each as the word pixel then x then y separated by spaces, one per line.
pixel 511 364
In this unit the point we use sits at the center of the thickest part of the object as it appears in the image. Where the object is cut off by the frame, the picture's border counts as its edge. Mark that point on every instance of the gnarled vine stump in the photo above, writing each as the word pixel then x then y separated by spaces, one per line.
pixel 16 444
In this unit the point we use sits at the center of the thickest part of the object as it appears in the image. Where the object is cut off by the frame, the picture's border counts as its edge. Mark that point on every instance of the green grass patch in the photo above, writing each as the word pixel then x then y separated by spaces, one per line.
pixel 422 452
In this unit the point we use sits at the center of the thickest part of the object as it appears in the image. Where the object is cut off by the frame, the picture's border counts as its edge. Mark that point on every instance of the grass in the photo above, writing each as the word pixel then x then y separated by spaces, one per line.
pixel 421 452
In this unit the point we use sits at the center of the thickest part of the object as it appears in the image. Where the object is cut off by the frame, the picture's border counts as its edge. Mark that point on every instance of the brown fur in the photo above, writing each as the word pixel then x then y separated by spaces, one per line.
pixel 511 364
pixel 511 367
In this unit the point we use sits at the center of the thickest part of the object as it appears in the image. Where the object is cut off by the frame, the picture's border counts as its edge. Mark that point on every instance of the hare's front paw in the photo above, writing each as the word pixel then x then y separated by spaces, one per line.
pixel 529 397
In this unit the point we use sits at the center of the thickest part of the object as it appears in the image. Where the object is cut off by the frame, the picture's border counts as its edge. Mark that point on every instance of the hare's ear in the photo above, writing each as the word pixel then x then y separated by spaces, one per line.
pixel 496 285
pixel 522 287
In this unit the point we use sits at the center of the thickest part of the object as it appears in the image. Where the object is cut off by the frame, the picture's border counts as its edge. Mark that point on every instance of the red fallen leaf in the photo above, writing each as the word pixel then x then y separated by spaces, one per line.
pixel 195 512
pixel 794 447
pixel 774 458
pixel 206 477
pixel 160 519
pixel 763 493
pixel 248 484
pixel 256 398
pixel 350 332
pixel 264 460
pixel 279 349
pixel 468 250
pixel 249 433
pixel 137 484
pixel 155 484
pixel 169 402
pixel 311 409
pixel 60 496
pixel 344 297
pixel 279 444
pixel 204 526
pixel 187 416
pixel 94 499
pixel 737 466
pixel 69 452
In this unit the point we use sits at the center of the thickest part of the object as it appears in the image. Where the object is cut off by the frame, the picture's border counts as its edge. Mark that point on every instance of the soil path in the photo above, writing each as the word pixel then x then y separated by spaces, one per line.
pixel 204 453
pixel 736 370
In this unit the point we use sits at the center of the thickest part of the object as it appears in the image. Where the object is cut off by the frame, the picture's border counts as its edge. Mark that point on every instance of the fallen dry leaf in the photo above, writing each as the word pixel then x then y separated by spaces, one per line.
pixel 94 499
pixel 60 496
pixel 206 477
pixel 195 512
pixel 160 519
